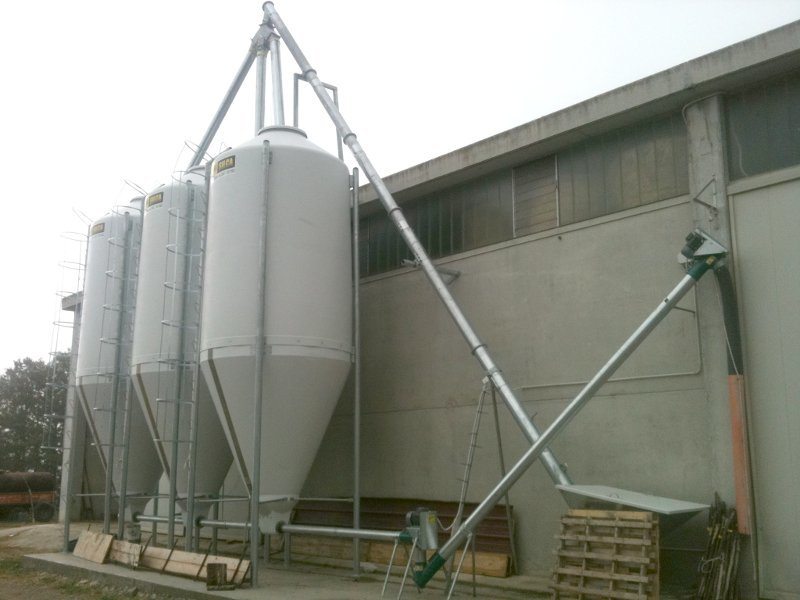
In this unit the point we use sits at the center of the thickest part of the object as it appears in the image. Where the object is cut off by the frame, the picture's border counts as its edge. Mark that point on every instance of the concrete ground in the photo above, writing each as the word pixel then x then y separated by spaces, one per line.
pixel 41 545
pixel 296 582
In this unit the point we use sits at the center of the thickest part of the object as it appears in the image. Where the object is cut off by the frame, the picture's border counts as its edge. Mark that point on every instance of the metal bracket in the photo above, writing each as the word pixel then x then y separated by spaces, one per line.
pixel 298 77
pixel 449 275
pixel 713 208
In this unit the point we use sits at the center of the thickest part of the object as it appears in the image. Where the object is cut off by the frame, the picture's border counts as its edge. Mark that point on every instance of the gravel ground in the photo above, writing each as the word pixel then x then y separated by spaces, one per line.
pixel 17 583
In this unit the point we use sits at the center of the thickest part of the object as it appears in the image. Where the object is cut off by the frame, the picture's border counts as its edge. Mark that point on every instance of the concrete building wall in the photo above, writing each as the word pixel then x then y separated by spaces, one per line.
pixel 552 307
pixel 766 217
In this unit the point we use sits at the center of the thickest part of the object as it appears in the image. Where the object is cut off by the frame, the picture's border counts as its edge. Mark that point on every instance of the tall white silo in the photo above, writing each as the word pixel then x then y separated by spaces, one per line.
pixel 104 352
pixel 166 336
pixel 307 304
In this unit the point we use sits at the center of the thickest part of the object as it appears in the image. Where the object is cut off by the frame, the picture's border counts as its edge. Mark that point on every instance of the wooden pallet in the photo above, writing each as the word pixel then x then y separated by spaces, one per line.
pixel 607 554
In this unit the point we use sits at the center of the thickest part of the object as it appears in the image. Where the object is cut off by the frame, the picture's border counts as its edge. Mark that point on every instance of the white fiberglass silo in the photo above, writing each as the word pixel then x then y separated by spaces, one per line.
pixel 306 311
pixel 165 337
pixel 104 351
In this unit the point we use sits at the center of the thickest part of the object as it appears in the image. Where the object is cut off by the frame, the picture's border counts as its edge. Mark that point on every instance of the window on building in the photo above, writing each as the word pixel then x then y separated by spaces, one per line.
pixel 470 215
pixel 623 169
pixel 535 197
pixel 601 175
pixel 764 128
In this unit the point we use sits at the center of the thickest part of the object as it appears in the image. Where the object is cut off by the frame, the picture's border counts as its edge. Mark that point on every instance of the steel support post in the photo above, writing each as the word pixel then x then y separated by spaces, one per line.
pixel 590 389
pixel 115 386
pixel 126 451
pixel 477 347
pixel 192 483
pixel 356 379
pixel 277 79
pixel 255 475
pixel 261 88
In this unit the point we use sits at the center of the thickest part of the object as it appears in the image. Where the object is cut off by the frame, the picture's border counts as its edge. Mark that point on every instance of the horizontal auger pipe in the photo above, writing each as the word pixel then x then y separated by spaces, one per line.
pixel 341 532
pixel 200 522
pixel 154 519
pixel 458 538
pixel 222 524
pixel 478 348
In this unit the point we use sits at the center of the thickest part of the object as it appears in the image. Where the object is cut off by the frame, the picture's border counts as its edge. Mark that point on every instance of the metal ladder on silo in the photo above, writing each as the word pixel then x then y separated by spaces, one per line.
pixel 181 285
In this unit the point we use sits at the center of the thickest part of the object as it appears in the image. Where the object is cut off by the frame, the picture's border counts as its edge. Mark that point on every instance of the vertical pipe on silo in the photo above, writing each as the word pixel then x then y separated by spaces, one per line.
pixel 356 382
pixel 116 377
pixel 190 524
pixel 255 476
pixel 277 79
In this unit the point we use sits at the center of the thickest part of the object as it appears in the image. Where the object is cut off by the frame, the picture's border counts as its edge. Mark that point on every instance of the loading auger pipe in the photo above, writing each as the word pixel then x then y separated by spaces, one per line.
pixel 421 578
pixel 477 347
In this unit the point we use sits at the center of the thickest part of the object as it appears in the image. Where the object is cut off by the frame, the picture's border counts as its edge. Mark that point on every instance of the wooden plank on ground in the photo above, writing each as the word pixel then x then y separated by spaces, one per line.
pixel 191 564
pixel 125 553
pixel 93 546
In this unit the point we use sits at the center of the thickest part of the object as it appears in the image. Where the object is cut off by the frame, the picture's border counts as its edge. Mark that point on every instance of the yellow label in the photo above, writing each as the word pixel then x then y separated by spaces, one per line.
pixel 154 199
pixel 97 228
pixel 223 164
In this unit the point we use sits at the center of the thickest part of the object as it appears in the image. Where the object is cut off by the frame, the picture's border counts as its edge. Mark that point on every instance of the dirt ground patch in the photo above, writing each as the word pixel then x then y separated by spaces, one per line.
pixel 18 583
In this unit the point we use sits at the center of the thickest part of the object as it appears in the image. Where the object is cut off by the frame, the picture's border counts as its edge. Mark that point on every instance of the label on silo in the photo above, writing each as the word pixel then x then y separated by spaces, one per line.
pixel 97 228
pixel 224 164
pixel 154 199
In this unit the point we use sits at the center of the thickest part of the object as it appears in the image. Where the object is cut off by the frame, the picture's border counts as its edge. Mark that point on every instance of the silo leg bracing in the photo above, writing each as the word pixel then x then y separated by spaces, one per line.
pixel 305 280
pixel 104 353
pixel 165 339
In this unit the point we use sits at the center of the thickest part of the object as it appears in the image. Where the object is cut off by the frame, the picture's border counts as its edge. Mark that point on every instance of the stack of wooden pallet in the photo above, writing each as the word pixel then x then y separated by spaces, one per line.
pixel 607 554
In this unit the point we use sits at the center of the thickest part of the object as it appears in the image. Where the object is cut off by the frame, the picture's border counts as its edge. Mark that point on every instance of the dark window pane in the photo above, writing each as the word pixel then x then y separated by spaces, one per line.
pixel 535 196
pixel 623 169
pixel 764 128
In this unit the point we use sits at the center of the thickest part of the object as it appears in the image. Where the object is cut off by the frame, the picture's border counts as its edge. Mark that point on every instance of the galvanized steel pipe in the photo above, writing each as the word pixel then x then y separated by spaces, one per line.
pixel 216 524
pixel 477 347
pixel 212 523
pixel 109 481
pixel 261 88
pixel 192 483
pixel 339 532
pixel 154 519
pixel 277 79
pixel 224 106
pixel 356 377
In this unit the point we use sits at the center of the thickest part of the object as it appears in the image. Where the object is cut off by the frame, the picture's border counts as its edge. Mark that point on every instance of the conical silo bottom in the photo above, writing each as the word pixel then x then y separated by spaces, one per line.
pixel 299 395
pixel 156 388
pixel 144 468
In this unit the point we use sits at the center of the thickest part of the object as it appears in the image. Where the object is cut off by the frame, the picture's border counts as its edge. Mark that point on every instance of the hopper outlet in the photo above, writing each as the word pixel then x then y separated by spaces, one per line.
pixel 274 511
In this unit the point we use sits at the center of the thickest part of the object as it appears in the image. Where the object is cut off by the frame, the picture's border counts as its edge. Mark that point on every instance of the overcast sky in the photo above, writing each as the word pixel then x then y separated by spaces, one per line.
pixel 98 92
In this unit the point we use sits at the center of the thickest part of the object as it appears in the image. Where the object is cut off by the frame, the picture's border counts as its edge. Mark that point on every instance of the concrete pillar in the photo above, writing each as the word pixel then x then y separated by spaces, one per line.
pixel 708 178
pixel 74 440
pixel 708 175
